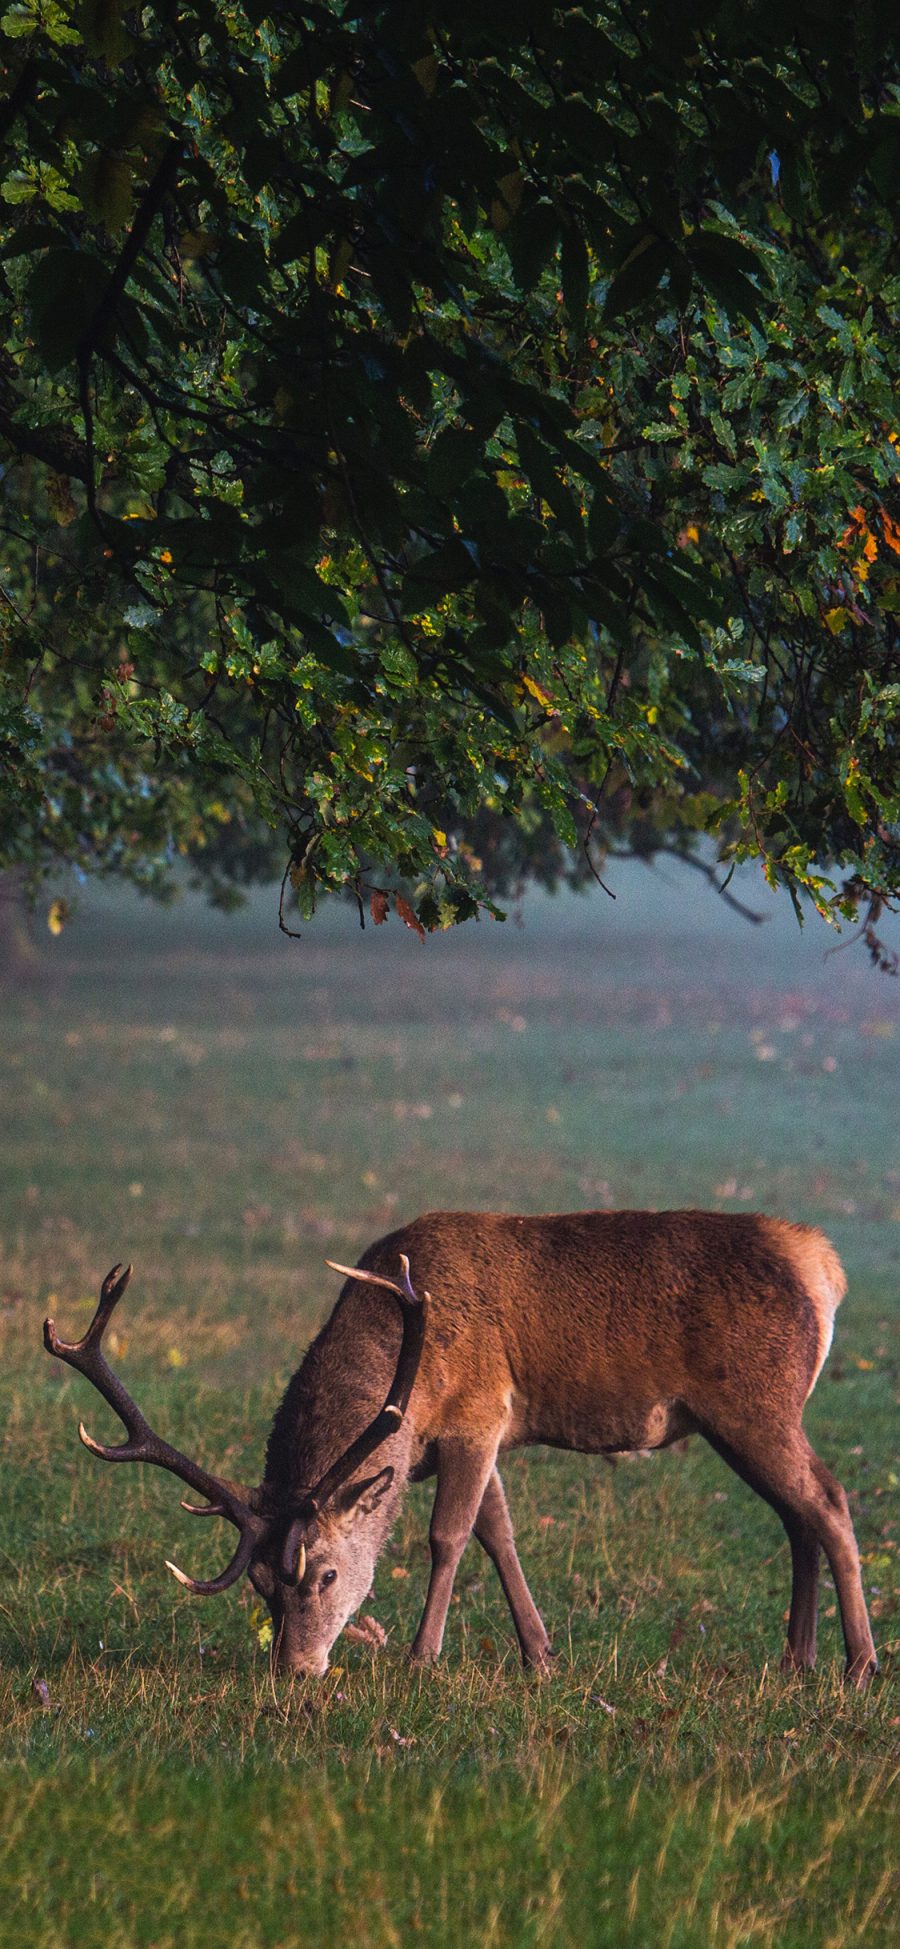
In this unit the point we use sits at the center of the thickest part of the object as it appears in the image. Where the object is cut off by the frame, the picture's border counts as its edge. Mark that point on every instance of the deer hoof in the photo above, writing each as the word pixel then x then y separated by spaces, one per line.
pixel 419 1654
pixel 541 1662
pixel 862 1671
pixel 795 1662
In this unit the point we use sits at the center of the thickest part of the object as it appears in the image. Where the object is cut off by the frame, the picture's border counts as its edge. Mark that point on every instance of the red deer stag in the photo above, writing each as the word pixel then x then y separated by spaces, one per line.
pixel 596 1331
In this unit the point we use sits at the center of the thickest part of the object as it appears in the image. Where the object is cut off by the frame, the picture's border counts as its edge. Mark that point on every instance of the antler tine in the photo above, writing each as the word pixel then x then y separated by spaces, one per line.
pixel 110 1294
pixel 386 1422
pixel 404 1291
pixel 144 1445
pixel 211 1586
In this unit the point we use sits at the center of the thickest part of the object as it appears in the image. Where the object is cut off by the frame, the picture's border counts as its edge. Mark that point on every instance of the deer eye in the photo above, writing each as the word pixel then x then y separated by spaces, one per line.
pixel 327 1578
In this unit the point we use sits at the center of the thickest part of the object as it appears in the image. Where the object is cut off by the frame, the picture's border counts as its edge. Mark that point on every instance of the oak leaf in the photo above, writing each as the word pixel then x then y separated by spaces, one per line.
pixel 408 914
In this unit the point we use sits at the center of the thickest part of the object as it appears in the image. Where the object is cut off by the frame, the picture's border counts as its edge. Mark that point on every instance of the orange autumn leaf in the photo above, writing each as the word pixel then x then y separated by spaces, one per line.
pixel 379 907
pixel 856 527
pixel 891 531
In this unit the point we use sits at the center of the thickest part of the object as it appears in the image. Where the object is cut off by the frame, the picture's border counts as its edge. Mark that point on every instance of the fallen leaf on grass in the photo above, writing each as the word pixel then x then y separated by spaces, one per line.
pixel 398 1571
pixel 40 1691
pixel 367 1631
pixel 399 1739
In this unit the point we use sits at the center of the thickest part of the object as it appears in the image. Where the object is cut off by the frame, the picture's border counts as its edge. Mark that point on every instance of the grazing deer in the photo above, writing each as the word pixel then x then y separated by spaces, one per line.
pixel 597 1331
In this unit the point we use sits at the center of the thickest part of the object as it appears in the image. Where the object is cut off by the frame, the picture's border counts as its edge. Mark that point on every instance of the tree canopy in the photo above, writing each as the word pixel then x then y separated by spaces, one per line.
pixel 442 444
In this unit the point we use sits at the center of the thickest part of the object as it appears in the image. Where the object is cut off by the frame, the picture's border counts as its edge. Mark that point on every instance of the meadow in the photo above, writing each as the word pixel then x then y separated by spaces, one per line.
pixel 226 1109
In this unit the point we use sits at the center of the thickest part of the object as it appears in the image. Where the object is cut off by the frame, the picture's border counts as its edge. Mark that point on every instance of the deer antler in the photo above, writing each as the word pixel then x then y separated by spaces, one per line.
pixel 386 1422
pixel 143 1445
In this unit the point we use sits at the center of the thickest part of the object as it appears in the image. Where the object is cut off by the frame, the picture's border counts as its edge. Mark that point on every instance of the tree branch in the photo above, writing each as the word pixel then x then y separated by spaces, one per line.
pixel 56 446
pixel 153 196
pixel 709 873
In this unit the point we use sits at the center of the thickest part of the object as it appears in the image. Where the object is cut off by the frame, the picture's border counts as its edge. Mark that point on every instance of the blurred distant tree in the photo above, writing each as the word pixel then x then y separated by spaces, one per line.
pixel 442 444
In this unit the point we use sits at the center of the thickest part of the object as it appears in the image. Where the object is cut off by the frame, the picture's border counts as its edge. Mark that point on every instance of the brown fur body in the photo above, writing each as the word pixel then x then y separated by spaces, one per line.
pixel 595 1331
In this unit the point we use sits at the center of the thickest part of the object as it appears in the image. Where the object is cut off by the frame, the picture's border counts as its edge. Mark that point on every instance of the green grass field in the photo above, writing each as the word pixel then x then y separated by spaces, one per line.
pixel 226 1109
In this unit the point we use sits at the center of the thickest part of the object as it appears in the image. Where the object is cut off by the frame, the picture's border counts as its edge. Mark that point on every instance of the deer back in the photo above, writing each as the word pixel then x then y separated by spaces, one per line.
pixel 545 1325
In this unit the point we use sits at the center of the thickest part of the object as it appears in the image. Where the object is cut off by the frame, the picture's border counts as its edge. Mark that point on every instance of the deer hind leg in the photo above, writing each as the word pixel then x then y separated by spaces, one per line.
pixel 463 1473
pixel 800 1654
pixel 494 1531
pixel 813 1506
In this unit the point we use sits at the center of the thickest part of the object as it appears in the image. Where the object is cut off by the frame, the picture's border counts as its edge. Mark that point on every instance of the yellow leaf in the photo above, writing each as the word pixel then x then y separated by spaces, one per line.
pixel 196 243
pixel 835 619
pixel 341 259
pixel 505 206
pixel 426 73
pixel 57 915
pixel 175 1357
pixel 60 500
pixel 535 690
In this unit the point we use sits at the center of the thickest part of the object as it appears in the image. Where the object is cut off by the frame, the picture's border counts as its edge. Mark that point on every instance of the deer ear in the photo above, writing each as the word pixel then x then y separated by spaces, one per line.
pixel 361 1498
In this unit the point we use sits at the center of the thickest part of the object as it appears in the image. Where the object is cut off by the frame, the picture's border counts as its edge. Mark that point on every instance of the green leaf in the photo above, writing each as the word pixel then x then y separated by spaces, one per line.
pixel 452 459
pixel 28 238
pixel 637 278
pixel 715 267
pixel 575 273
pixel 531 241
pixel 538 463
pixel 63 294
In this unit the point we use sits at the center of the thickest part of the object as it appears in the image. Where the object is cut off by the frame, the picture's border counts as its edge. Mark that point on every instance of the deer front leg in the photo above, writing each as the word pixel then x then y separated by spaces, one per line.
pixel 463 1472
pixel 494 1531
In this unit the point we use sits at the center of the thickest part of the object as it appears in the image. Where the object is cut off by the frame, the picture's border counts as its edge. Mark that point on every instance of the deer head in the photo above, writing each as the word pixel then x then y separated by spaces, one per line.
pixel 311 1558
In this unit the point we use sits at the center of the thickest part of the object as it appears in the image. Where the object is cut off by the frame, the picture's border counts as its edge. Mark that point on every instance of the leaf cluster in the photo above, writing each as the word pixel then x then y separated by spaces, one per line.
pixel 435 443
